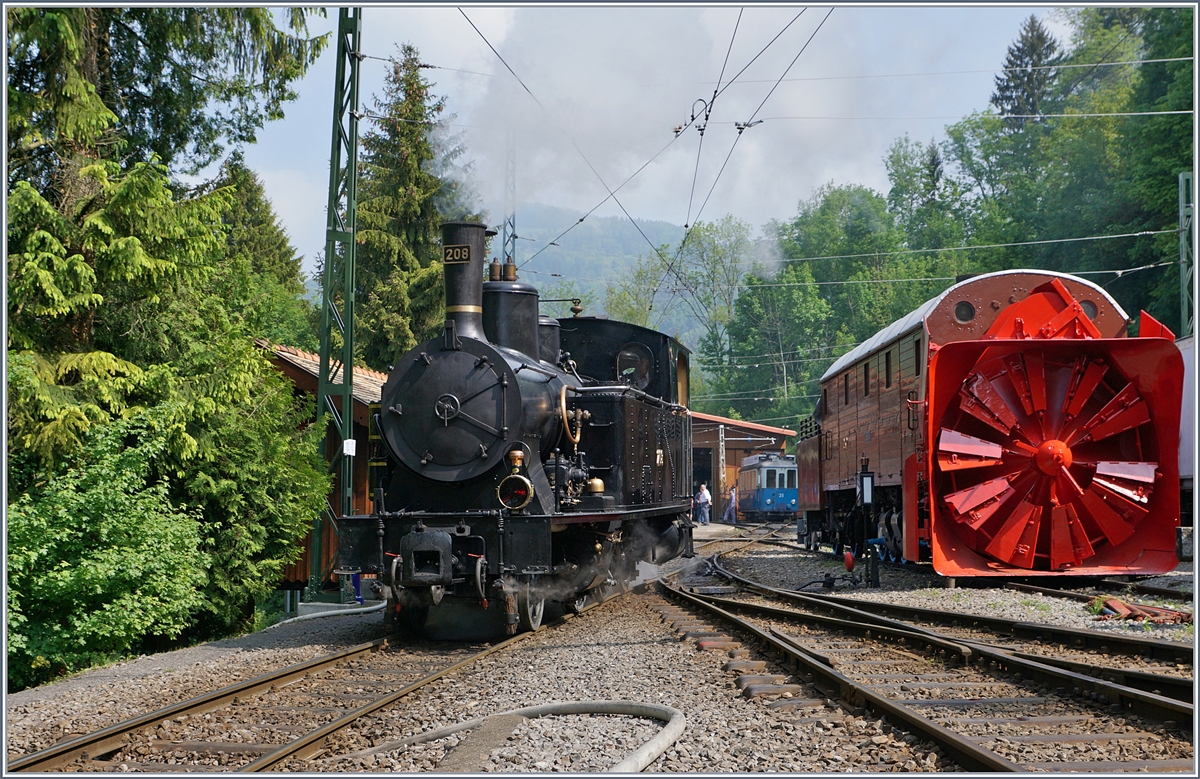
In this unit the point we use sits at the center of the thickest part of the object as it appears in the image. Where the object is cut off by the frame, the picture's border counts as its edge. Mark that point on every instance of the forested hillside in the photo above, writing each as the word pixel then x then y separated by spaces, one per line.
pixel 1084 139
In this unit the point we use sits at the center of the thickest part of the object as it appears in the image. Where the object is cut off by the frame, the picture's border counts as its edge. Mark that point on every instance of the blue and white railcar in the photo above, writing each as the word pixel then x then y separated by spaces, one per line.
pixel 767 488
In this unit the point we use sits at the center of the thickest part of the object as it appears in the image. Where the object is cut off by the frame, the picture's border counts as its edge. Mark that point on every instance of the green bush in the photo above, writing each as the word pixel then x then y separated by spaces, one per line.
pixel 99 559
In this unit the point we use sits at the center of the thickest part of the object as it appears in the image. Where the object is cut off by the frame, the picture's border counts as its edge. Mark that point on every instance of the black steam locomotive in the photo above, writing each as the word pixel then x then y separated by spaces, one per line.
pixel 520 459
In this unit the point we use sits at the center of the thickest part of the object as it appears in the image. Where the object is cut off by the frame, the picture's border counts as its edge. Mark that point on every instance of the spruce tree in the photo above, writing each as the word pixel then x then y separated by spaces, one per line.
pixel 1023 89
pixel 399 223
pixel 259 276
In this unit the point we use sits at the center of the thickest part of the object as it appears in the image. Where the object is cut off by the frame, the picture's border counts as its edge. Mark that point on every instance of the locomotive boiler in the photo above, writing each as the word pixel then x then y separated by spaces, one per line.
pixel 519 459
pixel 1006 427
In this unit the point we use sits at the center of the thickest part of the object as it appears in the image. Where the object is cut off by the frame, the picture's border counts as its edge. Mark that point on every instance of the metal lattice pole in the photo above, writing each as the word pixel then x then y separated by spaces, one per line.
pixel 335 381
pixel 1187 211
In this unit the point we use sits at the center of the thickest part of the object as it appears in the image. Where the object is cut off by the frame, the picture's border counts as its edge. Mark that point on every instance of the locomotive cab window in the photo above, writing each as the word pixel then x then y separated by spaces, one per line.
pixel 635 363
pixel 682 387
pixel 770 479
pixel 791 483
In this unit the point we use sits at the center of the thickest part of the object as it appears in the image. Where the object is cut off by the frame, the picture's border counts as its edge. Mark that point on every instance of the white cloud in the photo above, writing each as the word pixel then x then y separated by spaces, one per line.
pixel 614 81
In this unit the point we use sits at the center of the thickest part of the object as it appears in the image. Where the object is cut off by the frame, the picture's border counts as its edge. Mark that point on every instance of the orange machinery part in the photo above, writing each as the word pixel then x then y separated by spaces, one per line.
pixel 1051 450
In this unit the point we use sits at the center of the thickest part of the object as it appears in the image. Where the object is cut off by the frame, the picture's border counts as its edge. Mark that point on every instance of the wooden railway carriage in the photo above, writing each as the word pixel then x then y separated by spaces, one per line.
pixel 1005 426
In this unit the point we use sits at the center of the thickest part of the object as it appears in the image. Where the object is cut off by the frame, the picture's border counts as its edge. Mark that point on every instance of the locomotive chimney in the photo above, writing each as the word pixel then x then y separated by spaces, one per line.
pixel 462 269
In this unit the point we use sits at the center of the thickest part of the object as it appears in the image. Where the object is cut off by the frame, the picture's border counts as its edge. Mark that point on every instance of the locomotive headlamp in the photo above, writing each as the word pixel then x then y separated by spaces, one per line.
pixel 515 492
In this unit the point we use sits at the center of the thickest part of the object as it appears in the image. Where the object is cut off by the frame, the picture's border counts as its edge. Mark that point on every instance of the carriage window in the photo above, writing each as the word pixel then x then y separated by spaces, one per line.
pixel 634 364
pixel 866 379
pixel 887 368
pixel 917 357
pixel 770 479
pixel 791 478
pixel 846 387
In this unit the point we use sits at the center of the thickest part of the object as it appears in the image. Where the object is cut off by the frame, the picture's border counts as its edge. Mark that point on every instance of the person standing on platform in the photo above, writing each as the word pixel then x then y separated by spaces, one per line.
pixel 731 507
pixel 703 505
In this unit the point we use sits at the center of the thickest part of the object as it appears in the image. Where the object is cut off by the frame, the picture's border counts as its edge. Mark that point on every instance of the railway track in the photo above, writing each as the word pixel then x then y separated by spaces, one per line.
pixel 264 722
pixel 1152 664
pixel 979 702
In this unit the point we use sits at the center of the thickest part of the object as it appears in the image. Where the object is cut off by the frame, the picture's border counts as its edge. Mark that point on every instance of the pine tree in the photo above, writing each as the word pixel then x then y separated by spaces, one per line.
pixel 179 82
pixel 1024 88
pixel 399 223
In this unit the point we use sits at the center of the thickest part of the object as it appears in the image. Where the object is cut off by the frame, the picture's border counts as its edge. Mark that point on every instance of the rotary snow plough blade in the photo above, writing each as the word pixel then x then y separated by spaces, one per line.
pixel 1054 455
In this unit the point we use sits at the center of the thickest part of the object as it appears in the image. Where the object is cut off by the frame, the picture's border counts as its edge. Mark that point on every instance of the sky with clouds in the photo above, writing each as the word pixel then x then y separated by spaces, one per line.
pixel 607 85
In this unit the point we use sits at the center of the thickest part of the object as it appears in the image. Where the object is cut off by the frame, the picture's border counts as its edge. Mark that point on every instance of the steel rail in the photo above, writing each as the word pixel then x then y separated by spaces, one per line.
pixel 821 675
pixel 112 737
pixel 710 542
pixel 1175 651
pixel 1146 589
pixel 310 743
pixel 1180 688
pixel 1149 704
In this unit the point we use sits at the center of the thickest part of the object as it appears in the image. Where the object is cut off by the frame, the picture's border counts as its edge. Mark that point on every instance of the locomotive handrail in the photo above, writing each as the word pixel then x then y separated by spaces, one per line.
pixel 621 389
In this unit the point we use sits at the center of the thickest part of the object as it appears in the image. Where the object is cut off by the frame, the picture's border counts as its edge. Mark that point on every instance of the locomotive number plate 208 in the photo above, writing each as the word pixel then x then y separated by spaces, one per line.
pixel 456 254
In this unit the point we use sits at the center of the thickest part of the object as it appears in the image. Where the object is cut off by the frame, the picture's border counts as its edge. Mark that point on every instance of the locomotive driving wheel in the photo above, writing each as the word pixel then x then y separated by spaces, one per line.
pixel 530 606
pixel 1045 457
pixel 576 604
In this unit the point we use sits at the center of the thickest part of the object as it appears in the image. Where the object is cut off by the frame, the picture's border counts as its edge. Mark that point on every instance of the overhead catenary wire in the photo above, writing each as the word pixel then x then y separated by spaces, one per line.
pixel 678 133
pixel 790 351
pixel 751 121
pixel 588 162
pixel 1118 272
pixel 708 108
pixel 959 117
pixel 897 252
pixel 688 228
pixel 864 76
pixel 760 53
pixel 968 72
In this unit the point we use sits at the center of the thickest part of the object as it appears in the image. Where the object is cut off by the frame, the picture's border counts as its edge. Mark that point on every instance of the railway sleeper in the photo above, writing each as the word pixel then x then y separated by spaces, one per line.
pixel 973 654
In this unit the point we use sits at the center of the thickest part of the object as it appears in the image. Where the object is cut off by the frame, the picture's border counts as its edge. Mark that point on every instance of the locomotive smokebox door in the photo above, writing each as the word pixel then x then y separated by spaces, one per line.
pixel 450 415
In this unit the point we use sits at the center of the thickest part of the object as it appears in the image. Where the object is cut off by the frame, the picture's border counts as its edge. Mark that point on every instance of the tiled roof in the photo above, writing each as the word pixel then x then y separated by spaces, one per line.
pixel 368 384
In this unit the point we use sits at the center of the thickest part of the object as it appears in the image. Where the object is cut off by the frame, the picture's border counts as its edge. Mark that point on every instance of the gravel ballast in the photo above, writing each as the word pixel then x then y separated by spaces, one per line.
pixel 620 651
pixel 792 568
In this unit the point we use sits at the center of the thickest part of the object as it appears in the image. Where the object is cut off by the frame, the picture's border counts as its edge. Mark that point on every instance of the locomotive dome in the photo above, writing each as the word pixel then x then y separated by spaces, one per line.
pixel 918 315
